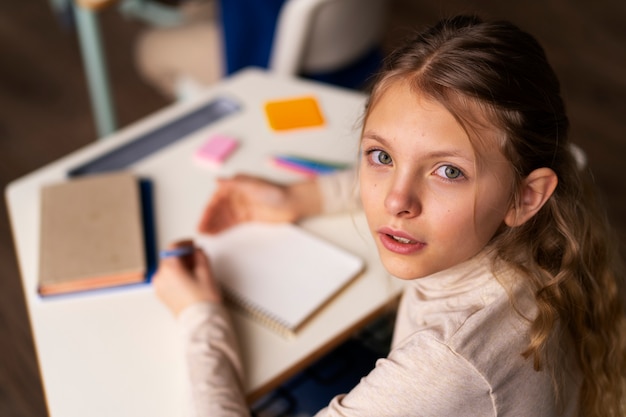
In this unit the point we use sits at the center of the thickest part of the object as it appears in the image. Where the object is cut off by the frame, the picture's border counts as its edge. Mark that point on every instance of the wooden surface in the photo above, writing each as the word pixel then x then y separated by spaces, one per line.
pixel 45 113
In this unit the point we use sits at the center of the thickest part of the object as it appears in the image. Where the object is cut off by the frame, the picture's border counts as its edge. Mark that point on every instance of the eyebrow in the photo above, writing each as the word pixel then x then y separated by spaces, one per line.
pixel 435 154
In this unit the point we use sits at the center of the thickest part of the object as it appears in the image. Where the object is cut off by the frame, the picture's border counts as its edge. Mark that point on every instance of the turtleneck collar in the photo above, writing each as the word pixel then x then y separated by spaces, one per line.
pixel 445 299
pixel 461 278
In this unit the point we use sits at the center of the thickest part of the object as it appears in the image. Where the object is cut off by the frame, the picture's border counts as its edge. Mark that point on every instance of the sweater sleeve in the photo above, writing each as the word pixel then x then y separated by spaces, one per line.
pixel 213 363
pixel 339 191
pixel 422 377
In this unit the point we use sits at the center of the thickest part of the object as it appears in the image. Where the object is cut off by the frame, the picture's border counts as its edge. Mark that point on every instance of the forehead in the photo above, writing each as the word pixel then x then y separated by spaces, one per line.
pixel 404 116
pixel 397 99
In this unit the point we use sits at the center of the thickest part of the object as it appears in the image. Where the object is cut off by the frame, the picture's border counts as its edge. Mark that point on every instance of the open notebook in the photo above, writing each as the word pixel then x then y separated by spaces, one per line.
pixel 281 274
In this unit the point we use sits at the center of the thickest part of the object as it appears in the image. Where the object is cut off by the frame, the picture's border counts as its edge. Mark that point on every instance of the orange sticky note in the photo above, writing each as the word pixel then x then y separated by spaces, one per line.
pixel 294 113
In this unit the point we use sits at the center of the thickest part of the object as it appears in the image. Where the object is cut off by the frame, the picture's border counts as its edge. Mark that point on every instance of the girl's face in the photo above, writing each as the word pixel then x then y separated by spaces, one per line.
pixel 428 205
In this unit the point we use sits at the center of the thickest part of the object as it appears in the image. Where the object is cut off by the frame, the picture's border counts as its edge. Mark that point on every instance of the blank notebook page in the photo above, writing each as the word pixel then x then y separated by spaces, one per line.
pixel 279 272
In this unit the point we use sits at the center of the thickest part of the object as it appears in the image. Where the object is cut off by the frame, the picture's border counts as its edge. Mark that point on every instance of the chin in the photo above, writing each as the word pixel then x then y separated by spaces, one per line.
pixel 406 266
pixel 405 272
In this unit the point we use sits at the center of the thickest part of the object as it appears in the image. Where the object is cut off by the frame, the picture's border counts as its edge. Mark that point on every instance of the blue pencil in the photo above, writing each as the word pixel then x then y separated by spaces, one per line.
pixel 176 252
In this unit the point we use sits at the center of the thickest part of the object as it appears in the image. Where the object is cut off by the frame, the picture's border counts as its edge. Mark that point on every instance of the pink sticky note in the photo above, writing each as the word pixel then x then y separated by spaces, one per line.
pixel 215 150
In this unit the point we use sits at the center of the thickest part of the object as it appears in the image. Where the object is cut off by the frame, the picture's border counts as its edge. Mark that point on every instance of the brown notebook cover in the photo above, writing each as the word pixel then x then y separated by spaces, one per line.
pixel 91 234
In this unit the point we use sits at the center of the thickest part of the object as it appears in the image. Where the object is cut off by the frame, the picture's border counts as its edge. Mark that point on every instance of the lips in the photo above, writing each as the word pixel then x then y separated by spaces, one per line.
pixel 399 242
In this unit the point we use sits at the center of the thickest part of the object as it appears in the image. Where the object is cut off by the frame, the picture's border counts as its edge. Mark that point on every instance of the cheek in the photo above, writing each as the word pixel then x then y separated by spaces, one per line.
pixel 489 219
pixel 460 220
pixel 456 225
pixel 368 202
pixel 492 202
pixel 370 192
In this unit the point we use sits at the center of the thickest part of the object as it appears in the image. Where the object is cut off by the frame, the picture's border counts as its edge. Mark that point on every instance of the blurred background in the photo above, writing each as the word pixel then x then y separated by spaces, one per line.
pixel 45 113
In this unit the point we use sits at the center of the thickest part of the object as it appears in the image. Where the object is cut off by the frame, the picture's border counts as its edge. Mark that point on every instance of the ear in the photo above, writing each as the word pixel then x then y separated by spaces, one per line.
pixel 536 189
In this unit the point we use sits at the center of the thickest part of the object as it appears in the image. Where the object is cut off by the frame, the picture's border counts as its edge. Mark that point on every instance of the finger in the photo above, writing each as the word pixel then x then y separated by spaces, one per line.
pixel 168 272
pixel 171 265
pixel 202 268
pixel 216 220
pixel 186 259
pixel 216 210
pixel 200 256
pixel 205 277
pixel 208 212
pixel 181 243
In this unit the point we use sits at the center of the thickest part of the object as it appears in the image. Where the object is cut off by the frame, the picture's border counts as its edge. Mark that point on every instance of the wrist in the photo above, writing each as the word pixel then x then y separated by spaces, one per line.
pixel 304 199
pixel 196 314
pixel 179 308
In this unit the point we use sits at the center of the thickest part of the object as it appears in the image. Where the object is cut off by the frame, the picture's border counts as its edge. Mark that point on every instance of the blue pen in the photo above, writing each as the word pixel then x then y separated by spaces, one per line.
pixel 176 252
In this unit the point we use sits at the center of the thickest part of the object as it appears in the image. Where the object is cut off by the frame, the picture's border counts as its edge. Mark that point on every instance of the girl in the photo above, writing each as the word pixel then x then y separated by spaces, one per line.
pixel 472 194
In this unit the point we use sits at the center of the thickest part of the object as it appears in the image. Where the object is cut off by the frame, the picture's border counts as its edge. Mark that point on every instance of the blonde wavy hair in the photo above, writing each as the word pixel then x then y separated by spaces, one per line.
pixel 564 250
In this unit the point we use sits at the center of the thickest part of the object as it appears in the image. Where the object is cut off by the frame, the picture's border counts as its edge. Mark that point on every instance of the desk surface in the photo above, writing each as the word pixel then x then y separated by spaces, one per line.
pixel 116 352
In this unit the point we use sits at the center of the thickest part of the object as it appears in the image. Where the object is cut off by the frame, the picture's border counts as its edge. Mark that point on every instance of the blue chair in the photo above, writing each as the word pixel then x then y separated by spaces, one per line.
pixel 335 41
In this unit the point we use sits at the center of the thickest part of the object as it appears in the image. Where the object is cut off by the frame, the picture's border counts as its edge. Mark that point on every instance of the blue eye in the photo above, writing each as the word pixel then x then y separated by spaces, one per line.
pixel 449 172
pixel 380 157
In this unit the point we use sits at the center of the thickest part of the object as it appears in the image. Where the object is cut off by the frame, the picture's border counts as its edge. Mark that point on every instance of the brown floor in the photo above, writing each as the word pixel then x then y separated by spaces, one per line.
pixel 45 113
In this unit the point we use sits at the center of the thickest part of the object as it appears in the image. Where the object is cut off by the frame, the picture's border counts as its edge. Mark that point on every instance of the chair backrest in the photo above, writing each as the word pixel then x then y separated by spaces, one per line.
pixel 325 35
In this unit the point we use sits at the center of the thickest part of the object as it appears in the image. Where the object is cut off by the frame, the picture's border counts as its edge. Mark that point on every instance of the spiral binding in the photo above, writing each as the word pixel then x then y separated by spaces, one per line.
pixel 258 313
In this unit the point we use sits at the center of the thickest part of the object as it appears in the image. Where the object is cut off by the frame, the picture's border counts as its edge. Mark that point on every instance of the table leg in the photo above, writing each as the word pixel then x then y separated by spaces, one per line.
pixel 95 68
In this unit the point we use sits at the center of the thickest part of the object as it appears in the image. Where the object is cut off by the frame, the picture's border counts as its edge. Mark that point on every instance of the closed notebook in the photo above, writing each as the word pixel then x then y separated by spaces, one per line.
pixel 91 234
pixel 280 274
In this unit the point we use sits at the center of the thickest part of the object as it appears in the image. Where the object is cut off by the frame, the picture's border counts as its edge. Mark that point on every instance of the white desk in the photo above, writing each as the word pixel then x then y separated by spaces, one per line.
pixel 116 353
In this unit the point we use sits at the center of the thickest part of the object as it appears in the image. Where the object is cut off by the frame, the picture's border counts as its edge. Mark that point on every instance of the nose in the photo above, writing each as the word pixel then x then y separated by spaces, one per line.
pixel 402 199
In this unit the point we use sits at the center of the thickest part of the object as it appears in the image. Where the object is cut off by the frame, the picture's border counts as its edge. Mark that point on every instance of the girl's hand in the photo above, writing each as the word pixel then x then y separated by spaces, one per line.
pixel 245 198
pixel 182 281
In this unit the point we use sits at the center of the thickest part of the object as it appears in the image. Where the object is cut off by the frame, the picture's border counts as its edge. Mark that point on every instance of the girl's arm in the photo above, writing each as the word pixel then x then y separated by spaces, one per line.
pixel 187 287
pixel 214 368
pixel 424 379
pixel 245 198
